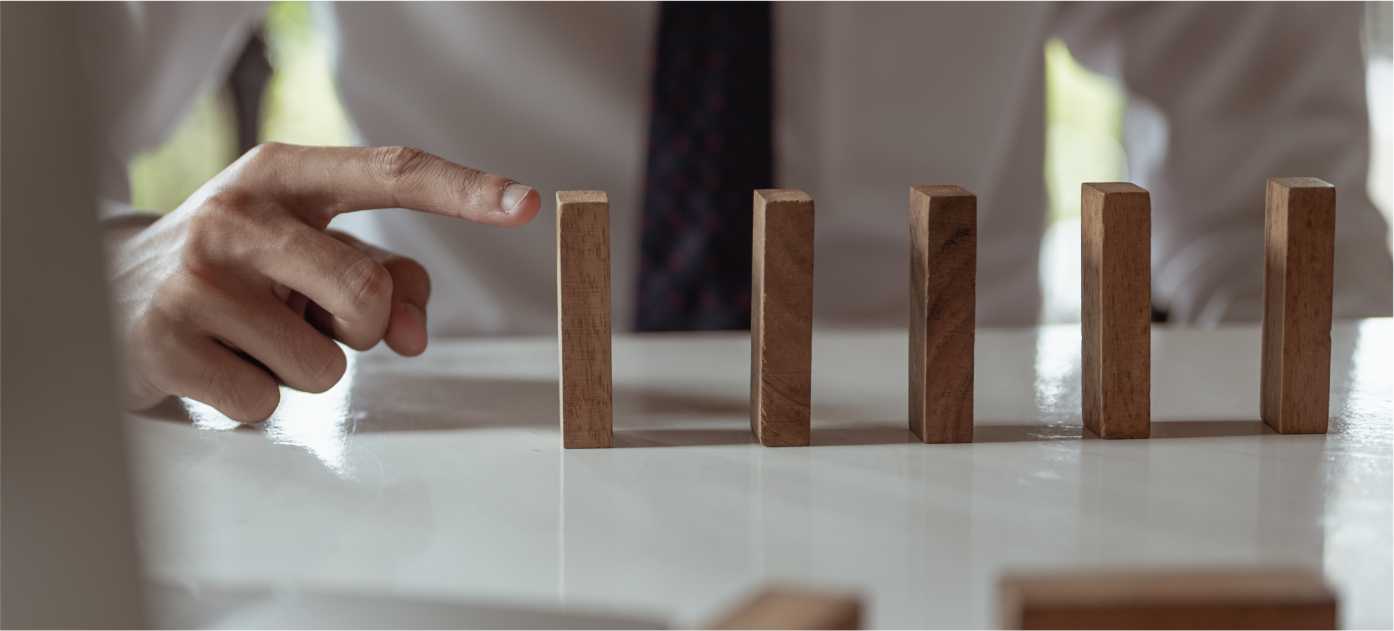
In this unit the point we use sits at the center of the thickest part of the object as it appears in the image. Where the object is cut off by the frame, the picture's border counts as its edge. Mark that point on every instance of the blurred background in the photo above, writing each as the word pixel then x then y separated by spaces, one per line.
pixel 281 89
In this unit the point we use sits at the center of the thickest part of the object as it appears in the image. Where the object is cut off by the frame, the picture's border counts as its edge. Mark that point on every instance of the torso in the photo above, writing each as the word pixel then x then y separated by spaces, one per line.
pixel 870 100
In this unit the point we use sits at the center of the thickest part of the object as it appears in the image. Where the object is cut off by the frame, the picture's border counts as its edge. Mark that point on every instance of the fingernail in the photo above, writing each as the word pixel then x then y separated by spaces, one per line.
pixel 513 197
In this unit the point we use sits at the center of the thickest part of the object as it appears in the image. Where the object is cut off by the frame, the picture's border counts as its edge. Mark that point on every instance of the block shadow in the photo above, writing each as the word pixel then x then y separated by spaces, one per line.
pixel 1161 429
pixel 681 437
pixel 452 403
pixel 869 434
pixel 878 433
pixel 1025 432
pixel 1209 429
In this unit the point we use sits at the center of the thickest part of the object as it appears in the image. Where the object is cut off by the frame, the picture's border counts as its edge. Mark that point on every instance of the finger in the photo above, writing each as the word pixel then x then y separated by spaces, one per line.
pixel 329 181
pixel 406 331
pixel 268 331
pixel 411 291
pixel 201 368
pixel 346 281
pixel 406 335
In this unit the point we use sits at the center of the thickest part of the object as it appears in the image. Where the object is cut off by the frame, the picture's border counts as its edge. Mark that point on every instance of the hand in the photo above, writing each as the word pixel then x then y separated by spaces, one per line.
pixel 242 288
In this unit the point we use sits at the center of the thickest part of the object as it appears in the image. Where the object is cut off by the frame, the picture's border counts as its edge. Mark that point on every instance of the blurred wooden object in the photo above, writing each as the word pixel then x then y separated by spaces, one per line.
pixel 787 607
pixel 1117 310
pixel 781 317
pixel 583 318
pixel 943 273
pixel 1300 234
pixel 1259 598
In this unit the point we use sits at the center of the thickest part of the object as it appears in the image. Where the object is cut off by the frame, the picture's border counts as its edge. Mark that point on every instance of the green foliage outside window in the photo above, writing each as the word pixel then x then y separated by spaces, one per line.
pixel 299 106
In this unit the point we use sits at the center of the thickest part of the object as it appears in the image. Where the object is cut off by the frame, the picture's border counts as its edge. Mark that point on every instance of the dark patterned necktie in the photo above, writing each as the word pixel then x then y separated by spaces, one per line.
pixel 710 146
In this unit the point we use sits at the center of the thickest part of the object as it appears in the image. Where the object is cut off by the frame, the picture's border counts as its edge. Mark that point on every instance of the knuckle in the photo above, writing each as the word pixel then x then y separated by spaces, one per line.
pixel 199 252
pixel 482 183
pixel 226 201
pixel 173 303
pixel 222 227
pixel 398 163
pixel 299 243
pixel 202 241
pixel 265 153
pixel 471 184
pixel 368 283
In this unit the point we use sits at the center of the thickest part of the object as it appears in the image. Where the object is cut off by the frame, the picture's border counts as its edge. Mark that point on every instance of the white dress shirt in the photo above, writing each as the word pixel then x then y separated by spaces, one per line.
pixel 869 100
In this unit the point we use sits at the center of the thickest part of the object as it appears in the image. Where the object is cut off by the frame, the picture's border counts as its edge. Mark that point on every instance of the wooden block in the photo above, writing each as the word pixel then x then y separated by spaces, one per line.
pixel 943 286
pixel 1258 598
pixel 787 607
pixel 1117 310
pixel 1300 235
pixel 583 317
pixel 781 317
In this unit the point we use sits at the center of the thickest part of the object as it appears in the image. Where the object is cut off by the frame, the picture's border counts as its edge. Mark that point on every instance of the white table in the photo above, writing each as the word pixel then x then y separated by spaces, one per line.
pixel 442 478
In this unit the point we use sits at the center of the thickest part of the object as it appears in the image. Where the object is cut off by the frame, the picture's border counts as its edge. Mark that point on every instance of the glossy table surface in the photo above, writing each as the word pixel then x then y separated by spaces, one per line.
pixel 441 479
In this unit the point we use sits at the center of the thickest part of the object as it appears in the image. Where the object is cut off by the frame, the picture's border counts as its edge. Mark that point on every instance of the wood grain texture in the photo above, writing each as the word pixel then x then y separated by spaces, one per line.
pixel 784 607
pixel 1117 310
pixel 1258 598
pixel 943 297
pixel 1299 234
pixel 583 318
pixel 781 317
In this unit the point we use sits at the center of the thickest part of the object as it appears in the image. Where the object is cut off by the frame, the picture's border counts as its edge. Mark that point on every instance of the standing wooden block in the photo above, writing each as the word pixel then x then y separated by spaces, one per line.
pixel 794 608
pixel 781 317
pixel 1117 310
pixel 943 292
pixel 1259 598
pixel 1300 233
pixel 583 317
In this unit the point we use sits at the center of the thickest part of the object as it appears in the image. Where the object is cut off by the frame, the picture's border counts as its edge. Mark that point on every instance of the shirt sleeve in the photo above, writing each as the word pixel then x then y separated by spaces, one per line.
pixel 1223 96
pixel 148 63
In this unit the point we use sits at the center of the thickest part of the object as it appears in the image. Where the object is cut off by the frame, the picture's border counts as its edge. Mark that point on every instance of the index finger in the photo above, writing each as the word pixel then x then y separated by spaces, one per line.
pixel 322 182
